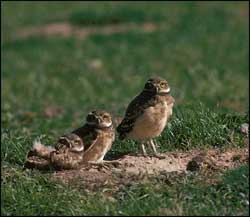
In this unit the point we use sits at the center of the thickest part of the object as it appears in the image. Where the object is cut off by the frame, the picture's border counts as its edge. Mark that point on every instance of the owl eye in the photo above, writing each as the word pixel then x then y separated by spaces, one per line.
pixel 162 84
pixel 105 117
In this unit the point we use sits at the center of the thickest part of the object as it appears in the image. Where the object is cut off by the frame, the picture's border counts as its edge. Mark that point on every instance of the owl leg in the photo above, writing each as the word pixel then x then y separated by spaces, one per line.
pixel 156 154
pixel 144 150
pixel 151 142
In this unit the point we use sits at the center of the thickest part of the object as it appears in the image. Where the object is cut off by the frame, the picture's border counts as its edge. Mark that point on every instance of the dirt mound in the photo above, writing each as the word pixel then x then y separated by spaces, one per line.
pixel 133 167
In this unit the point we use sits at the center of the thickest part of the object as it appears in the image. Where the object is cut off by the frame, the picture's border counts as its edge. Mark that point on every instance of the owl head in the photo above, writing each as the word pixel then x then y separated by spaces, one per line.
pixel 99 119
pixel 70 141
pixel 157 85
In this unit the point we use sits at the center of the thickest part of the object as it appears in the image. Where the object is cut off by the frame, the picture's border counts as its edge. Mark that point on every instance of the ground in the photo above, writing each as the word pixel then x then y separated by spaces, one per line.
pixel 131 166
pixel 59 61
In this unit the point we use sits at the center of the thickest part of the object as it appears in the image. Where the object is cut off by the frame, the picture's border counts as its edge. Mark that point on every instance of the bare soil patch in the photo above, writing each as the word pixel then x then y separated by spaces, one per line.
pixel 134 167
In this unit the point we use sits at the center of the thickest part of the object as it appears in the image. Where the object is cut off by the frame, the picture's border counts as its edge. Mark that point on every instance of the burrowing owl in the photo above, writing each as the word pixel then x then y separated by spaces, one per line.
pixel 69 152
pixel 148 113
pixel 98 135
pixel 89 143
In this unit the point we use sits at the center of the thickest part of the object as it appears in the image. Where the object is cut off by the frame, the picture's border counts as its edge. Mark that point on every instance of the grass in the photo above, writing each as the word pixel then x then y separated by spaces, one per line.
pixel 119 14
pixel 200 48
pixel 29 192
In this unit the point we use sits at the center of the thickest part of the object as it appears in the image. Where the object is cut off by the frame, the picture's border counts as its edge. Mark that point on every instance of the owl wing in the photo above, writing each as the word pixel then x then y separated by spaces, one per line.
pixel 135 109
pixel 170 100
pixel 87 134
pixel 62 145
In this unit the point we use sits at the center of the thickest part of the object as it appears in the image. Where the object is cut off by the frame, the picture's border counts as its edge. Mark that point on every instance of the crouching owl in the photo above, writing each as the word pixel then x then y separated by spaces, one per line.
pixel 89 143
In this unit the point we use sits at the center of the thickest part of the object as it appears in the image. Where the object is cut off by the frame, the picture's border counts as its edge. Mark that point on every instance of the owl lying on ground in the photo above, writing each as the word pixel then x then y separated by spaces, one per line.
pixel 87 144
pixel 147 114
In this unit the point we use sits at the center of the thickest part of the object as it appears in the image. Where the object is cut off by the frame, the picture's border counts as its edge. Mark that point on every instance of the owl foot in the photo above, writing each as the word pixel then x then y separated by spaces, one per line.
pixel 104 164
pixel 159 156
pixel 114 163
pixel 98 165
pixel 145 155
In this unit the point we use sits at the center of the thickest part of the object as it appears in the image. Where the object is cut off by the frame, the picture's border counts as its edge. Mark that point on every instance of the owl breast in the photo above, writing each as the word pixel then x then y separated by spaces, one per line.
pixel 152 122
pixel 98 150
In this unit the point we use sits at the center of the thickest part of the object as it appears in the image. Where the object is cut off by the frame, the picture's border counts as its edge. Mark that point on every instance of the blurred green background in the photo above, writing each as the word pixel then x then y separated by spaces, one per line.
pixel 201 48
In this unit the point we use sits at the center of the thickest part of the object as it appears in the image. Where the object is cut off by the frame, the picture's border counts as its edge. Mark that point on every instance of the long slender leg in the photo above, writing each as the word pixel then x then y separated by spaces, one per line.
pixel 155 143
pixel 153 146
pixel 143 150
pixel 156 154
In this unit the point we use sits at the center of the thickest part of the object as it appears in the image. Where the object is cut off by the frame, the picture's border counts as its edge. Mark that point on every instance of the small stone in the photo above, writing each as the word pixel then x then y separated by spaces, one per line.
pixel 195 164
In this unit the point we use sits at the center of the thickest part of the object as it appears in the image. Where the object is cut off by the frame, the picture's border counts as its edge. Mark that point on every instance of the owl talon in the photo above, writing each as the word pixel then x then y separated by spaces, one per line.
pixel 105 164
pixel 159 156
pixel 113 163
pixel 144 155
pixel 98 165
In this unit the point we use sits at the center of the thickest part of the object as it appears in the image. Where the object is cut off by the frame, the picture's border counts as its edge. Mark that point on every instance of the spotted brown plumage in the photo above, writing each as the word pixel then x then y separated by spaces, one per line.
pixel 68 153
pixel 89 143
pixel 98 135
pixel 147 114
pixel 71 142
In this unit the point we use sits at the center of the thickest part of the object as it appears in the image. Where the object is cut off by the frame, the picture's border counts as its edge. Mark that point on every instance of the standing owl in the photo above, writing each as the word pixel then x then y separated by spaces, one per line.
pixel 147 114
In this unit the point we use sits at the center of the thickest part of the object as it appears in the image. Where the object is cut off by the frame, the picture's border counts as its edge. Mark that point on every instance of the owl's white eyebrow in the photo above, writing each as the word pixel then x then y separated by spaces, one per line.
pixel 78 148
pixel 166 91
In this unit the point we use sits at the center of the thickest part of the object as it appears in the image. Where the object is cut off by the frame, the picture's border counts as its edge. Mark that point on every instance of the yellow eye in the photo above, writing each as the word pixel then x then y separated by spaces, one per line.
pixel 163 84
pixel 105 117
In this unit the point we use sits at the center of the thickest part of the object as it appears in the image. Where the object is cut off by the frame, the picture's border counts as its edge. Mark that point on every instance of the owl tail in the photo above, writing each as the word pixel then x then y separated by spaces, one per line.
pixel 41 150
pixel 39 156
